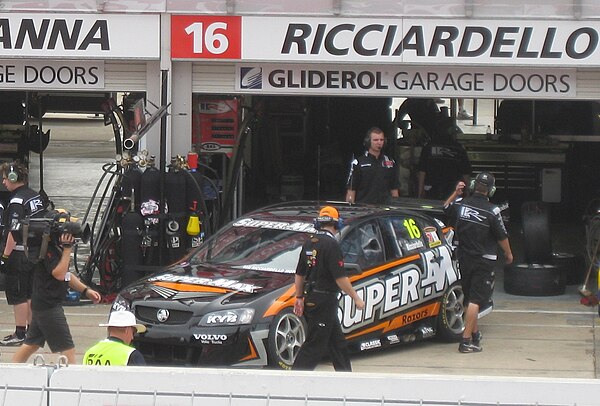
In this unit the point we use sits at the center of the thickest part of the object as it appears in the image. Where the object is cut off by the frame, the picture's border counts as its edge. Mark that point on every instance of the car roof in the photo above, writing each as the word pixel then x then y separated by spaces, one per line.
pixel 308 210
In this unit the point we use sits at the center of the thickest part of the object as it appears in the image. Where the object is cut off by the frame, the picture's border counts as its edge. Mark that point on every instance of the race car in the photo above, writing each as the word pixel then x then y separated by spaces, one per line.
pixel 230 302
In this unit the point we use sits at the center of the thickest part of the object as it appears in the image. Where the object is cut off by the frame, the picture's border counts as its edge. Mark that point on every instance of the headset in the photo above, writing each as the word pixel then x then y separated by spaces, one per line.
pixel 338 223
pixel 367 139
pixel 13 174
pixel 483 179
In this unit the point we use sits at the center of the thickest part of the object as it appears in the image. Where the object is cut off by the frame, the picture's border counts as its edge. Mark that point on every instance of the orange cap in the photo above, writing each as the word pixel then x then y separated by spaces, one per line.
pixel 328 213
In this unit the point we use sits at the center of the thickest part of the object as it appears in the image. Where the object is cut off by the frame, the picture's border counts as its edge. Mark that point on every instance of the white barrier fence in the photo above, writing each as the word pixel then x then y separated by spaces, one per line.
pixel 25 385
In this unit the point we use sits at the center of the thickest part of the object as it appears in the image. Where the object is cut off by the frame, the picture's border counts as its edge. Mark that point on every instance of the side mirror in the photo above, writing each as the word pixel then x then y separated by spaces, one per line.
pixel 352 269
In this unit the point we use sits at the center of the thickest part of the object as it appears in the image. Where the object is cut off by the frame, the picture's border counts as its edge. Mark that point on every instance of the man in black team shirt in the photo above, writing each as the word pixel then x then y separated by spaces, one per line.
pixel 321 269
pixel 479 230
pixel 373 176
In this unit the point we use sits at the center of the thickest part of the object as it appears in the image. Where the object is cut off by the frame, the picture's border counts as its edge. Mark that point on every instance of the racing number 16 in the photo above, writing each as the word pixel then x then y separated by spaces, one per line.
pixel 206 37
pixel 411 227
pixel 216 41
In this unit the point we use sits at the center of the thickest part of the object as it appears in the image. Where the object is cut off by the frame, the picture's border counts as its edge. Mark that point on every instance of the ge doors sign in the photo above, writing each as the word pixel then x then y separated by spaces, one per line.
pixel 208 37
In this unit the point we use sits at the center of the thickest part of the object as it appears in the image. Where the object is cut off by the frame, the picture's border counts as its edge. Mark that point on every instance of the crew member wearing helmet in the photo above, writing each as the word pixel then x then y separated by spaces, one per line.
pixel 320 276
pixel 479 229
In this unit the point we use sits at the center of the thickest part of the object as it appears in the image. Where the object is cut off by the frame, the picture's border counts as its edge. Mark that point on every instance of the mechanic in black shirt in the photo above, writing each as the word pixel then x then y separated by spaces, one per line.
pixel 322 268
pixel 18 268
pixel 479 230
pixel 442 164
pixel 373 176
pixel 50 283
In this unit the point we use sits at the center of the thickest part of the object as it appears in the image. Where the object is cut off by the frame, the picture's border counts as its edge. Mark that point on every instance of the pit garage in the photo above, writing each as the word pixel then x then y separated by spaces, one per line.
pixel 275 100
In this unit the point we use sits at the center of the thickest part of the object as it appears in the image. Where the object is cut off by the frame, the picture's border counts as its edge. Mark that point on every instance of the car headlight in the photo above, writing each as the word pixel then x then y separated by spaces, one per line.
pixel 233 317
pixel 120 303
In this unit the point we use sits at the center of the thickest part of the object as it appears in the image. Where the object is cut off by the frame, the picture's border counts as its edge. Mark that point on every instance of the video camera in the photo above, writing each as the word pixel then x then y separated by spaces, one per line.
pixel 39 232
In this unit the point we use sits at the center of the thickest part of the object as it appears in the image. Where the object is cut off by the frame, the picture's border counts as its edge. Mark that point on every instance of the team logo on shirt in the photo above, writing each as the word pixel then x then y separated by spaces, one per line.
pixel 469 213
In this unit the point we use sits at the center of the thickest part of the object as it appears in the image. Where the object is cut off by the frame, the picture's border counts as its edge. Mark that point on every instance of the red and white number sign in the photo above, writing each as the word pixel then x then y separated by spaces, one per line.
pixel 206 37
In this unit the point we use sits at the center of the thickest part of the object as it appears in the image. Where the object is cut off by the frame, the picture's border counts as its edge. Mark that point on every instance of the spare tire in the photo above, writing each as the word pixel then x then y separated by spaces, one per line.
pixel 534 280
pixel 535 218
pixel 571 265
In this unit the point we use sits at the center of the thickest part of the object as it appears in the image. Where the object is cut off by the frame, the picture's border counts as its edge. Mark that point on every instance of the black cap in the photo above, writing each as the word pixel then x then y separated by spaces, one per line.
pixel 486 179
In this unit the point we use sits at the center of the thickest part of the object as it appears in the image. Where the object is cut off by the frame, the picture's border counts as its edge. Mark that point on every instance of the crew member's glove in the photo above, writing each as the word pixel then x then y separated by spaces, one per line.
pixel 3 261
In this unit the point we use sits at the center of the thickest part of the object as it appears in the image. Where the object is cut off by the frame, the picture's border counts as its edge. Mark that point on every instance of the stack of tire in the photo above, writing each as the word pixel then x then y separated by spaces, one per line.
pixel 544 272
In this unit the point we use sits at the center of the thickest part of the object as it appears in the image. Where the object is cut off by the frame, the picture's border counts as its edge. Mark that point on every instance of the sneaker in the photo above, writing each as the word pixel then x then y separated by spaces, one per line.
pixel 12 341
pixel 476 338
pixel 469 347
pixel 463 115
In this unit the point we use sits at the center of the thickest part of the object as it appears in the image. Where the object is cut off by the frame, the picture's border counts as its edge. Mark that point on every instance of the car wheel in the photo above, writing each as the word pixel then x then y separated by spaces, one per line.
pixel 286 336
pixel 571 265
pixel 534 280
pixel 451 320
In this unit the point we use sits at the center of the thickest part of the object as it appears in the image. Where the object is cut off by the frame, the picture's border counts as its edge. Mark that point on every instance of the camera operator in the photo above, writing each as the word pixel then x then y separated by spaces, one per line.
pixel 50 283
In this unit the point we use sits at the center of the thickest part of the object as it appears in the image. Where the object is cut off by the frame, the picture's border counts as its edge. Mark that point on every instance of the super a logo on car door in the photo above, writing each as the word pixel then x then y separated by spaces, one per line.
pixel 403 287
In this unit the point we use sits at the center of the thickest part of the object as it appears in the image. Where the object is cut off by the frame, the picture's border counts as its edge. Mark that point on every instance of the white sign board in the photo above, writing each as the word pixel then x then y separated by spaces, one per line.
pixel 51 75
pixel 80 36
pixel 422 41
pixel 396 80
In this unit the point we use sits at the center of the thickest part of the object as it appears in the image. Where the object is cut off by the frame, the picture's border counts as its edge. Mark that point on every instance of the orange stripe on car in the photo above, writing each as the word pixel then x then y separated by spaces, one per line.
pixel 184 287
pixel 253 354
pixel 287 299
pixel 399 321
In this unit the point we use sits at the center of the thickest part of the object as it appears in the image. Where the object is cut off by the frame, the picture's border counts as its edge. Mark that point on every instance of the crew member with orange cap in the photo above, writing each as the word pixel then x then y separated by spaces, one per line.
pixel 320 276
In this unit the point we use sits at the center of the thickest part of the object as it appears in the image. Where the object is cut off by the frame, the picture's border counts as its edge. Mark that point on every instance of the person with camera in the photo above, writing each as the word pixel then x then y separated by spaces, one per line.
pixel 479 230
pixel 373 176
pixel 51 280
pixel 321 268
pixel 23 202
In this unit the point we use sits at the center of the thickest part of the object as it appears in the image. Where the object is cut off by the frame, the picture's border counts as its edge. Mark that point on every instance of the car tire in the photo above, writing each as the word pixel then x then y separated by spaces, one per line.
pixel 286 335
pixel 534 280
pixel 451 319
pixel 573 266
pixel 536 232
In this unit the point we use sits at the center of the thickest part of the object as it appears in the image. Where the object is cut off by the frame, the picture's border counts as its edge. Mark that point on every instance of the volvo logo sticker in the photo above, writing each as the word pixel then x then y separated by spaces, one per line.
pixel 162 315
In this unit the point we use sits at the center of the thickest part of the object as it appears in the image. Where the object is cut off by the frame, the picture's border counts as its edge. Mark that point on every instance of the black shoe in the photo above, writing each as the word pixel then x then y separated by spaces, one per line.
pixel 469 347
pixel 12 341
pixel 476 338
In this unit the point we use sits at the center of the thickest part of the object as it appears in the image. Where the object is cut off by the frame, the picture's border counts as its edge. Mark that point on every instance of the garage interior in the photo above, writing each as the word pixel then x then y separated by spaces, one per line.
pixel 300 148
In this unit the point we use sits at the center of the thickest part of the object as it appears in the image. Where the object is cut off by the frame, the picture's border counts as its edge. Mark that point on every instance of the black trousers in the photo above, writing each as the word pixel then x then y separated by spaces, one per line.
pixel 324 336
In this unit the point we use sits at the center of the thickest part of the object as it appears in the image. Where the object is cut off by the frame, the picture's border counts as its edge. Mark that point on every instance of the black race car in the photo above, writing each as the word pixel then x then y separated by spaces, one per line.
pixel 230 302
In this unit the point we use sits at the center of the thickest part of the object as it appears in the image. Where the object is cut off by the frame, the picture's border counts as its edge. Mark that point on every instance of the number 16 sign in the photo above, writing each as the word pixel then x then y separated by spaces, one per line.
pixel 206 37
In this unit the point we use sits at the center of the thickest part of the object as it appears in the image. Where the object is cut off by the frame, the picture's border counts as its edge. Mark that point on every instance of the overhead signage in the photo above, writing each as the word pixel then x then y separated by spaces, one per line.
pixel 392 40
pixel 51 75
pixel 80 36
pixel 405 81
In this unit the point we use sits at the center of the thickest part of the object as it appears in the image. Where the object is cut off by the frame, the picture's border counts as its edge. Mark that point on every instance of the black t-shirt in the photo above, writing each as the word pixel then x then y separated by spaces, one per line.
pixel 444 165
pixel 321 262
pixel 23 202
pixel 479 226
pixel 373 178
pixel 48 292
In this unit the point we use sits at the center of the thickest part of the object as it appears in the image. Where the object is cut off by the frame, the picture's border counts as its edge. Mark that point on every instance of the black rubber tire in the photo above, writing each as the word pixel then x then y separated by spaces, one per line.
pixel 451 320
pixel 537 246
pixel 534 280
pixel 571 265
pixel 286 335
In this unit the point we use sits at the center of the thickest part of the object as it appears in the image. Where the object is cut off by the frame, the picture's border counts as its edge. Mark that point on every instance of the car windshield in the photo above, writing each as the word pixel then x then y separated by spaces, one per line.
pixel 257 248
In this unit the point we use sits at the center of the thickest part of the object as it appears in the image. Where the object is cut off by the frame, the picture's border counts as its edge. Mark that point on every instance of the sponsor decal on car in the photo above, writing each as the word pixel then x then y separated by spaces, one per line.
pixel 276 225
pixel 227 285
pixel 432 237
pixel 211 338
pixel 369 345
